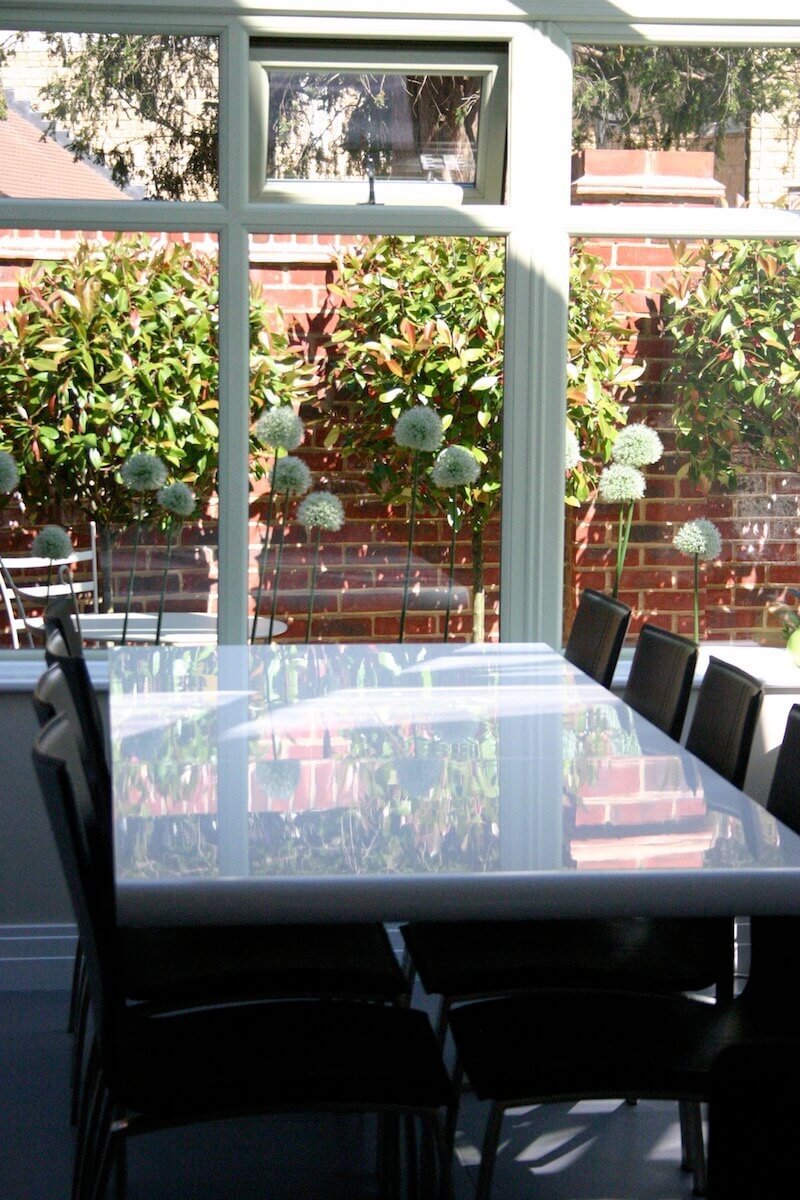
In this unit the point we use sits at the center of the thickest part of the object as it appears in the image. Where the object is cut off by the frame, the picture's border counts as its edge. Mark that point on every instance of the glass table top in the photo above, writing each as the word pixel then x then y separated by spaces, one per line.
pixel 390 775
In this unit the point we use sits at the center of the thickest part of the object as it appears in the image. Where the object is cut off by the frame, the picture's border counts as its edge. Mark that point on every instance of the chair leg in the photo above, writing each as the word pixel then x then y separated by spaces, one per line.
pixel 489 1152
pixel 694 1148
pixel 79 1046
pixel 78 968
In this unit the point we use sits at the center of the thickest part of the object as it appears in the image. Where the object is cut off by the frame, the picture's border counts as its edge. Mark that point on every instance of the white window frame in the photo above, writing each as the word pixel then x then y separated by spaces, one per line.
pixel 537 221
pixel 490 159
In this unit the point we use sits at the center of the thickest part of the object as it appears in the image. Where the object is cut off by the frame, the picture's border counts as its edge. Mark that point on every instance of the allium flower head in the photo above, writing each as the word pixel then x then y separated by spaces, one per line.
pixel 143 473
pixel 321 510
pixel 620 484
pixel 52 542
pixel 637 446
pixel 280 427
pixel 454 467
pixel 700 537
pixel 572 451
pixel 9 475
pixel 178 499
pixel 419 428
pixel 418 775
pixel 292 476
pixel 278 777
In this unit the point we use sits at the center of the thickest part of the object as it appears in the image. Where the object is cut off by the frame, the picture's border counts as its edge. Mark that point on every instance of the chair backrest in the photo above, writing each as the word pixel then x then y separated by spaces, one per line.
pixel 83 847
pixel 724 720
pixel 72 672
pixel 28 582
pixel 61 617
pixel 660 680
pixel 783 800
pixel 597 634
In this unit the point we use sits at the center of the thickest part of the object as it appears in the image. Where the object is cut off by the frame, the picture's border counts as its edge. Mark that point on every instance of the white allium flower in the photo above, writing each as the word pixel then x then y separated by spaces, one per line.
pixel 572 451
pixel 292 476
pixel 177 498
pixel 321 510
pixel 9 475
pixel 419 428
pixel 700 537
pixel 143 473
pixel 52 542
pixel 455 466
pixel 637 446
pixel 280 427
pixel 620 484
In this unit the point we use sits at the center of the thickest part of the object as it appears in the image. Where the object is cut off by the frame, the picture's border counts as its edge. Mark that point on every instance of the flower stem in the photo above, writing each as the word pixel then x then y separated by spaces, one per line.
pixel 277 570
pixel 129 596
pixel 164 584
pixel 452 566
pixel 313 586
pixel 697 597
pixel 622 544
pixel 411 520
pixel 262 574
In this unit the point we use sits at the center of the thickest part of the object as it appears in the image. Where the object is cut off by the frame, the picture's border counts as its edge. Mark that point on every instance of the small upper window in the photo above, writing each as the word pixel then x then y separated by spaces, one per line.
pixel 377 125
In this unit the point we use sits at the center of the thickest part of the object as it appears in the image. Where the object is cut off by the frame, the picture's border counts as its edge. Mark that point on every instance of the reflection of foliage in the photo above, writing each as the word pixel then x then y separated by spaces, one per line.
pixel 664 97
pixel 335 125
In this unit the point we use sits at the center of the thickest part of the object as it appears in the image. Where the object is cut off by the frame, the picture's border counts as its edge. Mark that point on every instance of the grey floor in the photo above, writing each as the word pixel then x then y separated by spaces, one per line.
pixel 588 1151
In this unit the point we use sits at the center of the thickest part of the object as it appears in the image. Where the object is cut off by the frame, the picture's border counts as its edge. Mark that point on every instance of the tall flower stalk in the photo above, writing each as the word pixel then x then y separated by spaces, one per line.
pixel 291 477
pixel 455 467
pixel 698 539
pixel 623 483
pixel 141 473
pixel 280 429
pixel 178 501
pixel 418 429
pixel 319 511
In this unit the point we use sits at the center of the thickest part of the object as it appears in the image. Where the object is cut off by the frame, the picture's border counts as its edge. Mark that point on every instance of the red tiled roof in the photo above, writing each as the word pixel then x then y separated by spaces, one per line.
pixel 31 167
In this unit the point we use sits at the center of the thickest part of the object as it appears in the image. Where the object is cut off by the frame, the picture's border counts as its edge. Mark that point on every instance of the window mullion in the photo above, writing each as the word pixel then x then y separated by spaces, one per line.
pixel 234 328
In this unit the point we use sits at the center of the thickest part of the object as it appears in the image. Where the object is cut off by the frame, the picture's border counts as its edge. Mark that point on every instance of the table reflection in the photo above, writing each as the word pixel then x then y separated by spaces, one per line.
pixel 401 760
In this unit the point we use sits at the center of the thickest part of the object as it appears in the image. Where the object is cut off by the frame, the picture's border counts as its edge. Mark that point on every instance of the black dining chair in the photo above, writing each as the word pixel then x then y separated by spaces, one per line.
pixel 597 634
pixel 752 1120
pixel 660 680
pixel 168 965
pixel 558 1044
pixel 152 1067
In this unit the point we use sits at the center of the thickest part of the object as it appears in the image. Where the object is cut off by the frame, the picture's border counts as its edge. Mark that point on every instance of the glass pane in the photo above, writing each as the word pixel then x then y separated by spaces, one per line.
pixel 340 125
pixel 108 352
pixel 109 116
pixel 357 338
pixel 686 125
pixel 700 344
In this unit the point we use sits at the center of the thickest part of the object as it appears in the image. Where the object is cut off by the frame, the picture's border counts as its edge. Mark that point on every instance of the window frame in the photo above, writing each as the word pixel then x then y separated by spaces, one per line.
pixel 489 65
pixel 536 219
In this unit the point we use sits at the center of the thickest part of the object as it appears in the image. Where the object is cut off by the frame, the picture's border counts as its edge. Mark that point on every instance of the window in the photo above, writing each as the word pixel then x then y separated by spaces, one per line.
pixel 351 125
pixel 507 178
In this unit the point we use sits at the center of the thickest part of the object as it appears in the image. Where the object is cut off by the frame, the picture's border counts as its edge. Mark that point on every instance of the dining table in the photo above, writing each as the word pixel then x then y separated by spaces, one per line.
pixel 176 628
pixel 415 781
